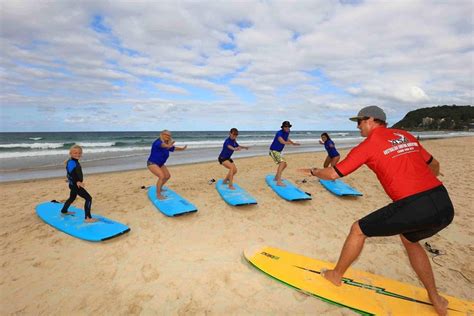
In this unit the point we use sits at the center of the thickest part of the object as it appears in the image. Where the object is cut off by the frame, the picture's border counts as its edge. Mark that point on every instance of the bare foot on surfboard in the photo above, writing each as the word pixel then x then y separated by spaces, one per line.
pixel 161 197
pixel 440 304
pixel 231 187
pixel 69 213
pixel 91 220
pixel 281 184
pixel 331 276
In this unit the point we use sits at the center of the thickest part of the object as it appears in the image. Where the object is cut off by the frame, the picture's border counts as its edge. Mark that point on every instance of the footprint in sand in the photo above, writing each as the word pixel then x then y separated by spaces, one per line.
pixel 149 273
pixel 134 309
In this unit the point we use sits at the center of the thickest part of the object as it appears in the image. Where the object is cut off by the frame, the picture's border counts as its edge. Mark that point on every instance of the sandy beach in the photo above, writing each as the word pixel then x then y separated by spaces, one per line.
pixel 193 264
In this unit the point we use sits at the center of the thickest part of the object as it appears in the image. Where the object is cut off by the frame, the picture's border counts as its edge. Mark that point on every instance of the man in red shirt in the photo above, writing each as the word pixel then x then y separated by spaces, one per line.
pixel 421 205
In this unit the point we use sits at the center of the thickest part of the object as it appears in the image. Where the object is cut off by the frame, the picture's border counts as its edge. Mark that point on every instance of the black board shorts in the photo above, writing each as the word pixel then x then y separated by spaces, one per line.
pixel 416 217
pixel 221 160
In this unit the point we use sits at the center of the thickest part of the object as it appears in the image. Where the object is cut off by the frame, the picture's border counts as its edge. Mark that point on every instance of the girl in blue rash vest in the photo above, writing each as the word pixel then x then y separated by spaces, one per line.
pixel 160 151
pixel 333 156
pixel 230 145
pixel 281 139
pixel 76 185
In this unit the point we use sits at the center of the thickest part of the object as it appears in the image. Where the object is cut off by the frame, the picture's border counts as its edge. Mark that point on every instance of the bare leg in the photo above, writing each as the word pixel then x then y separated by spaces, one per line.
pixel 167 176
pixel 350 251
pixel 421 264
pixel 229 178
pixel 326 162
pixel 281 167
pixel 335 160
pixel 156 170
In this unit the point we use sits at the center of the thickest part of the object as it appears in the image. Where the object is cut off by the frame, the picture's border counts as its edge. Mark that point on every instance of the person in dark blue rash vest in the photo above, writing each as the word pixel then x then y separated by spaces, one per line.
pixel 160 151
pixel 281 139
pixel 76 184
pixel 333 156
pixel 230 145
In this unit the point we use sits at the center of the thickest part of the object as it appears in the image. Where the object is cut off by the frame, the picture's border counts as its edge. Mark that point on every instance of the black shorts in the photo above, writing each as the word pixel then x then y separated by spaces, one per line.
pixel 221 160
pixel 415 217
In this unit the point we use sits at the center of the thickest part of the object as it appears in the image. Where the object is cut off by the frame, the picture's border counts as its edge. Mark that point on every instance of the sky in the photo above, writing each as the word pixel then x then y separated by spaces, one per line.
pixel 212 65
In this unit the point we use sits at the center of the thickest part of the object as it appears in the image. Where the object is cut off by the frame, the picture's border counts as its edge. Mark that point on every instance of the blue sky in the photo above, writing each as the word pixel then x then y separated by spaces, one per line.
pixel 208 65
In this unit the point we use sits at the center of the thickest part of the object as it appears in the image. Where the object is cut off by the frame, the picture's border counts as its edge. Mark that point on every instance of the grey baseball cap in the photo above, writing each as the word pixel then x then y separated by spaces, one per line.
pixel 370 111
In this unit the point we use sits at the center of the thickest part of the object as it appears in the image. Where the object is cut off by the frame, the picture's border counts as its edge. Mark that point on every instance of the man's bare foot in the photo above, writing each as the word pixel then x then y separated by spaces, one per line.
pixel 281 184
pixel 332 276
pixel 68 213
pixel 160 197
pixel 231 187
pixel 91 220
pixel 440 304
pixel 225 181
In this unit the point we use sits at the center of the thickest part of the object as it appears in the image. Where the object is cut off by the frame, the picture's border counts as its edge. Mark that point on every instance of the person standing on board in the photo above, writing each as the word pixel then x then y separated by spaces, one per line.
pixel 230 145
pixel 76 185
pixel 408 173
pixel 160 151
pixel 333 155
pixel 281 139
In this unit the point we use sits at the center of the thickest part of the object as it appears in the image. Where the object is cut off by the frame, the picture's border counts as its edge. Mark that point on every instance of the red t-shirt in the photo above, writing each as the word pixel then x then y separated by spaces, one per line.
pixel 398 160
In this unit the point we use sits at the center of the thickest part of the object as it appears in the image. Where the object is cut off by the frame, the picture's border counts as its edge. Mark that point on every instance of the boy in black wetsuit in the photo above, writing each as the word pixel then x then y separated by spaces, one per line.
pixel 75 178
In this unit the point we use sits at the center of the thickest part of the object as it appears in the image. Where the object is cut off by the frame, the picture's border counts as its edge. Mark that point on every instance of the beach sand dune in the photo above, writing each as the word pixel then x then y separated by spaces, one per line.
pixel 193 264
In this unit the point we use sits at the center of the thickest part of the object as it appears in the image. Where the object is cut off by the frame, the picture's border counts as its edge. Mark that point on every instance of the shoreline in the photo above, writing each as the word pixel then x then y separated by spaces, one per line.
pixel 138 162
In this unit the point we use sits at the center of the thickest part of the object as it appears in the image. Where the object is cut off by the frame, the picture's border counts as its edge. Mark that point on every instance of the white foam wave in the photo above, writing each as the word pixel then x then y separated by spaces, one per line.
pixel 65 152
pixel 51 149
pixel 35 138
pixel 55 145
pixel 104 144
pixel 33 145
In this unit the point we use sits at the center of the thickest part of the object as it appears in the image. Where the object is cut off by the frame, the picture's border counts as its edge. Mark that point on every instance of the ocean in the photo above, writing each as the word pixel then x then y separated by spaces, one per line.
pixel 42 154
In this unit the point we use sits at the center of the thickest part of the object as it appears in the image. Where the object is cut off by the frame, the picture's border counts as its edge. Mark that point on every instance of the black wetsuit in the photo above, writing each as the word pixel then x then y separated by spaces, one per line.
pixel 74 175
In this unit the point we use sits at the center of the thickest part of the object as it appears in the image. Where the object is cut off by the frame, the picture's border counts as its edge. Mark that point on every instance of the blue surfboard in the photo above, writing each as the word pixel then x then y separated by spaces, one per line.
pixel 289 192
pixel 173 205
pixel 340 188
pixel 235 197
pixel 74 225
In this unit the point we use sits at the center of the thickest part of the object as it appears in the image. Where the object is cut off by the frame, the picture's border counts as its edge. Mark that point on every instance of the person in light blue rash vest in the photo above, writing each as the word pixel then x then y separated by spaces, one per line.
pixel 230 145
pixel 160 151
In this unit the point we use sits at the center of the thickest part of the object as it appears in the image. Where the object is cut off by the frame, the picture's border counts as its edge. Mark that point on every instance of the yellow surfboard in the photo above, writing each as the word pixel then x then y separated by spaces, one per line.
pixel 363 292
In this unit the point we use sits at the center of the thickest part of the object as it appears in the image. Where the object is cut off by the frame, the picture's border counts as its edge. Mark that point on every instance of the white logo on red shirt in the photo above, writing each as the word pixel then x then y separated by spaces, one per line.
pixel 401 146
pixel 400 140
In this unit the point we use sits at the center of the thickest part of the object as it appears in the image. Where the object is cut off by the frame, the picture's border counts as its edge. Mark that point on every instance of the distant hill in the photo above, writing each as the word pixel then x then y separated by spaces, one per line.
pixel 445 117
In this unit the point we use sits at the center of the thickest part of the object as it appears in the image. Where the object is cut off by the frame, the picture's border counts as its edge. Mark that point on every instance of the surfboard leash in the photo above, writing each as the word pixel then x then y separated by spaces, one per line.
pixel 436 253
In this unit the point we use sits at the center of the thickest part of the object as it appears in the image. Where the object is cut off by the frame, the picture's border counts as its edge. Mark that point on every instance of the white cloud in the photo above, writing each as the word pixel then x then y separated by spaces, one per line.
pixel 399 54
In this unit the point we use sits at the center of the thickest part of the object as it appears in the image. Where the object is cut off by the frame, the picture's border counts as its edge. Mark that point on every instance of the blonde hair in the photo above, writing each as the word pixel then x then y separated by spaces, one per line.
pixel 75 146
pixel 163 132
